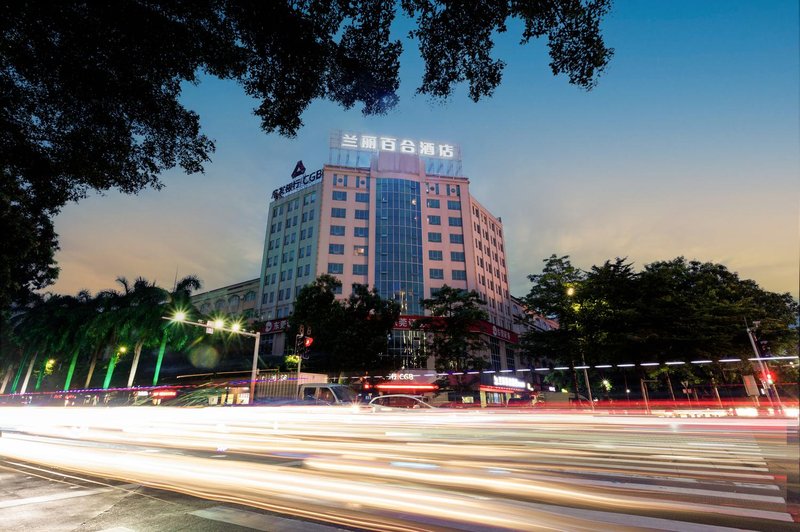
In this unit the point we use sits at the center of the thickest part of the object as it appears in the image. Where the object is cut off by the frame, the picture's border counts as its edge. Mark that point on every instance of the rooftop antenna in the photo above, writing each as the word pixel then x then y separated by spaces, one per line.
pixel 175 282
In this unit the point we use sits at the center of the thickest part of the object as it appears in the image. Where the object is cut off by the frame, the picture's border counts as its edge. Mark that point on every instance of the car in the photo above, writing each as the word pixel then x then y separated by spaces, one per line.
pixel 398 402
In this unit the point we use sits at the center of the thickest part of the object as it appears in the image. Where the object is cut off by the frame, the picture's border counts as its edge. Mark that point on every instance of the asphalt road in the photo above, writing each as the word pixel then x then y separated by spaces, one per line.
pixel 153 468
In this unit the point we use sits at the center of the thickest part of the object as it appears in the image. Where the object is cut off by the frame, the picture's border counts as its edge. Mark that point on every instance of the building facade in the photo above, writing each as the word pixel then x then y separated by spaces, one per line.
pixel 395 214
pixel 234 300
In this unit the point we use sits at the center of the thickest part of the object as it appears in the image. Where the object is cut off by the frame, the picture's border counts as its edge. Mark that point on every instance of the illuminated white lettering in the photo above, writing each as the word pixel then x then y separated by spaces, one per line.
pixel 349 141
pixel 426 148
pixel 445 150
pixel 369 142
pixel 407 146
pixel 509 382
pixel 388 144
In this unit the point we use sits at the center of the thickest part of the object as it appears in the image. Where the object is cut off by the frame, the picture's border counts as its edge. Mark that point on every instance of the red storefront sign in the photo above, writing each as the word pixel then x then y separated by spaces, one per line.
pixel 407 323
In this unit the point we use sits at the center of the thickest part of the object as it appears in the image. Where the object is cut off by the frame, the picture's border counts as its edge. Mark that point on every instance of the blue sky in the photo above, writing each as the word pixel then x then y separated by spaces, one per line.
pixel 687 146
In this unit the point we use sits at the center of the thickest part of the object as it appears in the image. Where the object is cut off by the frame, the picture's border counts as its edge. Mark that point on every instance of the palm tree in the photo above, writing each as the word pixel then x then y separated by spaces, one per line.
pixel 82 311
pixel 142 314
pixel 179 301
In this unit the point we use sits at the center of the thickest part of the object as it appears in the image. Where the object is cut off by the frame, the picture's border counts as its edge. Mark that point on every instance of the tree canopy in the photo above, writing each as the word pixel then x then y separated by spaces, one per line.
pixel 90 92
pixel 673 310
pixel 453 339
pixel 349 335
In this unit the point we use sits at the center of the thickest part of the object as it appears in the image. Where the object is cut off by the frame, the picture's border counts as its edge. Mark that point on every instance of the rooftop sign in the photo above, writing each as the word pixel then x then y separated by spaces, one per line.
pixel 354 149
pixel 357 141
pixel 297 184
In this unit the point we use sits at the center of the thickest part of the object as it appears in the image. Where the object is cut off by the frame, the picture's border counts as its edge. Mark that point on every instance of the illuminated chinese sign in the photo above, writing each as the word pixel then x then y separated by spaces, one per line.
pixel 508 382
pixel 297 184
pixel 355 141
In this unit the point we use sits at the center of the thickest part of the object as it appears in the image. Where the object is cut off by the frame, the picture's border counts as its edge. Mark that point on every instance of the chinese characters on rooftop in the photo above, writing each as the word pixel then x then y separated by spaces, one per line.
pixel 375 143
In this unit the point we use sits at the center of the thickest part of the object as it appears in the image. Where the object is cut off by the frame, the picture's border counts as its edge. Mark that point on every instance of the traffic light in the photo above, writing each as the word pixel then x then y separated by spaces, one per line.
pixel 768 377
pixel 308 341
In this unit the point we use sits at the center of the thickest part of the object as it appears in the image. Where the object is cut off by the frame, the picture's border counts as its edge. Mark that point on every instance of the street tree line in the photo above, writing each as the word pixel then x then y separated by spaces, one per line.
pixel 672 310
pixel 351 335
pixel 63 336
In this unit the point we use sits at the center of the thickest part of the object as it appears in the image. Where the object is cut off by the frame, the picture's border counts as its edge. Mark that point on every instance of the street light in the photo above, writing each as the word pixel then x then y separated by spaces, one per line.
pixel 570 293
pixel 235 328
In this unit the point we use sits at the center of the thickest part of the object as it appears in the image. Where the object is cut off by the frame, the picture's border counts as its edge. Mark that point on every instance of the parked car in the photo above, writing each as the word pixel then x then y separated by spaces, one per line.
pixel 398 402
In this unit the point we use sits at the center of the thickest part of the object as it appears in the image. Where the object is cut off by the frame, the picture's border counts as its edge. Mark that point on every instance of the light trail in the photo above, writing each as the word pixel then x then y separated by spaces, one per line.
pixel 417 470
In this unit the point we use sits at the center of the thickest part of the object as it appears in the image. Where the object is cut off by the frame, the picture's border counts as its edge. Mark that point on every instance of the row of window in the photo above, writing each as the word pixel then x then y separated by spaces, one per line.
pixel 450 190
pixel 454 238
pixel 338 249
pixel 342 180
pixel 455 256
pixel 337 212
pixel 453 205
pixel 293 205
pixel 338 268
pixel 452 221
pixel 341 195
pixel 339 230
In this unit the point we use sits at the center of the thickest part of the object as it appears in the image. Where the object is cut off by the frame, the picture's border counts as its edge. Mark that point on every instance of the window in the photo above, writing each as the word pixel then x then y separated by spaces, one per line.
pixel 359 269
pixel 434 254
pixel 301 253
pixel 309 198
pixel 433 203
pixel 434 237
pixel 362 214
pixel 305 217
pixel 360 251
pixel 302 234
pixel 307 269
pixel 454 205
pixel 456 239
pixel 361 231
pixel 280 226
pixel 250 296
pixel 336 249
pixel 339 195
pixel 337 230
pixel 337 289
pixel 457 256
pixel 299 272
pixel 459 275
pixel 494 349
pixel 335 267
pixel 454 221
pixel 362 197
pixel 510 363
pixel 310 232
pixel 434 220
pixel 310 215
pixel 337 213
pixel 437 273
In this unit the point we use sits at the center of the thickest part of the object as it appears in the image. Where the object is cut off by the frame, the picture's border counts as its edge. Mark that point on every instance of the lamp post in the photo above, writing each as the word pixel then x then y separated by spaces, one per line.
pixel 570 293
pixel 219 325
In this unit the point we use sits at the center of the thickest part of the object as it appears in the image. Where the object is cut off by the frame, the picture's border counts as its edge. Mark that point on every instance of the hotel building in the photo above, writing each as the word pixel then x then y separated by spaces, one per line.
pixel 392 213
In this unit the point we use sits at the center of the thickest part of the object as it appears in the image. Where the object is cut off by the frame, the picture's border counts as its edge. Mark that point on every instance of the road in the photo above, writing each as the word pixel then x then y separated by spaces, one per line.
pixel 407 470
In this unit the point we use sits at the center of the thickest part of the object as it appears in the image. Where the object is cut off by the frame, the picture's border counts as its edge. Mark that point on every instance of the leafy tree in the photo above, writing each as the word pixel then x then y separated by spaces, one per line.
pixel 348 335
pixel 556 293
pixel 368 319
pixel 454 341
pixel 89 92
pixel 316 307
pixel 675 310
